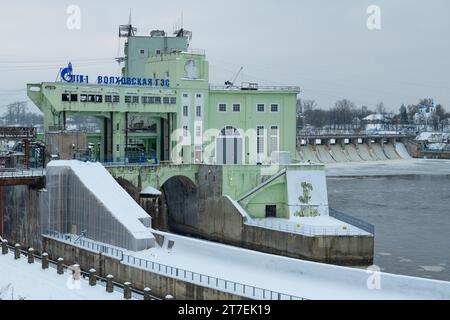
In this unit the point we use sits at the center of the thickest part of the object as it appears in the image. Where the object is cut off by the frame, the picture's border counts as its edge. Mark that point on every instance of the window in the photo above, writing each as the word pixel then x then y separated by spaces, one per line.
pixel 127 99
pixel 236 107
pixel 274 132
pixel 271 211
pixel 229 131
pixel 108 98
pixel 83 98
pixel 118 147
pixel 135 99
pixel 260 139
pixel 116 99
pixel 158 51
pixel 198 111
pixel 199 95
pixel 157 100
pixel 91 98
pixel 185 131
pixel 222 107
pixel 185 111
pixel 185 95
pixel 198 153
pixel 173 100
pixel 142 52
pixel 144 100
pixel 151 100
pixel 260 107
pixel 68 97
pixel 117 126
pixel 98 98
pixel 198 131
pixel 166 100
pixel 274 107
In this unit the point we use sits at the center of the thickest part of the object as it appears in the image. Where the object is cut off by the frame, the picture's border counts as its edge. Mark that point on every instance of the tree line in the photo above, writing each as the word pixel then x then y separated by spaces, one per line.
pixel 17 113
pixel 346 115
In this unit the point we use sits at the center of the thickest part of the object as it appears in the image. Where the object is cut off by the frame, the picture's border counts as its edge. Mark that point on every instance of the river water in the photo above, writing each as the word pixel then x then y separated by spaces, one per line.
pixel 409 204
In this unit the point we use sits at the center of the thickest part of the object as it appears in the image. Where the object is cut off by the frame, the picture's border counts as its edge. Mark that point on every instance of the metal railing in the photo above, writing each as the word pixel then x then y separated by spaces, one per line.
pixel 136 294
pixel 22 173
pixel 256 88
pixel 178 273
pixel 306 230
pixel 370 228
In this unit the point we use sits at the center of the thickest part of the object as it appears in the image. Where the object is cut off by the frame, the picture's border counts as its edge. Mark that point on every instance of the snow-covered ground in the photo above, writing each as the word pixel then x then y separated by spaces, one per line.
pixel 391 167
pixel 295 277
pixel 20 280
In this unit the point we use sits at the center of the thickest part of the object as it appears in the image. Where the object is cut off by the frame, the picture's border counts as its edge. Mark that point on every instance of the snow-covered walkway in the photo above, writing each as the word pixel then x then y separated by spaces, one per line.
pixel 21 280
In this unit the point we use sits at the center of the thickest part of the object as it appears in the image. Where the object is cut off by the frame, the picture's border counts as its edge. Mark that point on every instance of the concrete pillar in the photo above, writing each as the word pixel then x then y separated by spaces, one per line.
pixel 17 251
pixel 92 277
pixel 31 255
pixel 109 283
pixel 76 272
pixel 168 297
pixel 45 260
pixel 147 292
pixel 59 266
pixel 127 290
pixel 4 246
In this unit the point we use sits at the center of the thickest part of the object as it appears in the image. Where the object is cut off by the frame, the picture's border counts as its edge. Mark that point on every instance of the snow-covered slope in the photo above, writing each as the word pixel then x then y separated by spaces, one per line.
pixel 84 197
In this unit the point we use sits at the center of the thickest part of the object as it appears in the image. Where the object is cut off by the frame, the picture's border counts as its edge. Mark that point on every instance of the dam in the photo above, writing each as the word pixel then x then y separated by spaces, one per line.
pixel 118 238
pixel 352 148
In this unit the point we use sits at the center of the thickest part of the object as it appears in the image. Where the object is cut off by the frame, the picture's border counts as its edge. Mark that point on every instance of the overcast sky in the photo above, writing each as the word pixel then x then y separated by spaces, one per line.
pixel 322 46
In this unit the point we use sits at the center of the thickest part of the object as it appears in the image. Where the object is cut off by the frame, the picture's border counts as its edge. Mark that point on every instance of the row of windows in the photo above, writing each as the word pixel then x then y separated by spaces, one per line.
pixel 198 111
pixel 198 95
pixel 95 98
pixel 260 107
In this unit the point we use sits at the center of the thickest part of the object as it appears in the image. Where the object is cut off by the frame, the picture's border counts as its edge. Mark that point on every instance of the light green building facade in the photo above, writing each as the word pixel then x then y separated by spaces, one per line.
pixel 175 115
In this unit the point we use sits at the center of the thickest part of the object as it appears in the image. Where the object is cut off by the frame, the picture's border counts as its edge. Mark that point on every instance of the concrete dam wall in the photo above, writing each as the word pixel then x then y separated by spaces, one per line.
pixel 352 152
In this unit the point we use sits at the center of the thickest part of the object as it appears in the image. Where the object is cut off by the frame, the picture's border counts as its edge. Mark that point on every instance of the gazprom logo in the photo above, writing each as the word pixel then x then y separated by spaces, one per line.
pixel 68 76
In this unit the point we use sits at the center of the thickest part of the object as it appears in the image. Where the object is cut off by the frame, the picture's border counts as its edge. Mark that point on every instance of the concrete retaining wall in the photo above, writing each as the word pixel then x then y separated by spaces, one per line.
pixel 161 285
pixel 218 220
pixel 21 215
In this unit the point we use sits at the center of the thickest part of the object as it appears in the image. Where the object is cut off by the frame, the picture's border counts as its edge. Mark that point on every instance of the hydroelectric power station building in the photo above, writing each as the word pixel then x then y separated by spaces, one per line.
pixel 163 106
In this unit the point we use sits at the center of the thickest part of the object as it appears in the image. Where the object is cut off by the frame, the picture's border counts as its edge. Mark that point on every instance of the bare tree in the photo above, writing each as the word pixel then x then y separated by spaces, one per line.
pixel 308 105
pixel 381 109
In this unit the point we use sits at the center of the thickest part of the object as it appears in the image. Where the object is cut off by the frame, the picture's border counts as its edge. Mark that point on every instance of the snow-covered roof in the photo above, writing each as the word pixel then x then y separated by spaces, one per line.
pixel 433 136
pixel 375 117
pixel 150 191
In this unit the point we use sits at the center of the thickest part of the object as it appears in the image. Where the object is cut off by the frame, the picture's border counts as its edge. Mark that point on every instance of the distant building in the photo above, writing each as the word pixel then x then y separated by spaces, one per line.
pixel 376 122
pixel 425 113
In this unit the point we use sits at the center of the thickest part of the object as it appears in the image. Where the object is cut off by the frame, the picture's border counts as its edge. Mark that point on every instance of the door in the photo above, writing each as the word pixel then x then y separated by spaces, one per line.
pixel 229 147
